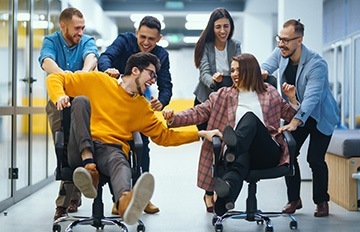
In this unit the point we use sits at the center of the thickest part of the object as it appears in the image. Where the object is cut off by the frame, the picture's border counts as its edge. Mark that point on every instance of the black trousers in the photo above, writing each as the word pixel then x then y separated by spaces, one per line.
pixel 315 157
pixel 255 150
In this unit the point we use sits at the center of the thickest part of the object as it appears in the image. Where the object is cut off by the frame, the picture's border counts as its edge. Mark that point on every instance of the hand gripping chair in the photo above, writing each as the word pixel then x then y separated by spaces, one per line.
pixel 64 172
pixel 252 213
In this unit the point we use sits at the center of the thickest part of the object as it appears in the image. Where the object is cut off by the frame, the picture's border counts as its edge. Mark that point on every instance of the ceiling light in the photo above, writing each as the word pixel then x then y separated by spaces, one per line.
pixel 42 25
pixel 195 25
pixel 197 17
pixel 23 17
pixel 191 39
pixel 174 5
pixel 163 43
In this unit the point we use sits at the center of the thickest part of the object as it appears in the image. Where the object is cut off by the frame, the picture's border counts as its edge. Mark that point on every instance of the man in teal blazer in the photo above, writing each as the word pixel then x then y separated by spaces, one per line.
pixel 317 115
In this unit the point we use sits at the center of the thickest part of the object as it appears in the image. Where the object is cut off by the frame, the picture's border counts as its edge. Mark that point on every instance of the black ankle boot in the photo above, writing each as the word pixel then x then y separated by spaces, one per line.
pixel 229 137
pixel 222 187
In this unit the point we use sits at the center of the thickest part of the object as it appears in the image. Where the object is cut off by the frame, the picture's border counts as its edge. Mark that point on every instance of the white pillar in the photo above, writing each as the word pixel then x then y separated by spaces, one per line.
pixel 310 13
pixel 259 28
pixel 95 18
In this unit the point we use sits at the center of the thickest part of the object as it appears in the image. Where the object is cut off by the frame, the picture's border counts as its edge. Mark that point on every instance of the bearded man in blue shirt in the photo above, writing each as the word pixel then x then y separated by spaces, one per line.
pixel 68 50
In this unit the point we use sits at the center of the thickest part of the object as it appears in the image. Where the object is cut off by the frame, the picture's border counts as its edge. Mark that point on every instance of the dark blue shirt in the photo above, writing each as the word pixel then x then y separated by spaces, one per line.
pixel 123 47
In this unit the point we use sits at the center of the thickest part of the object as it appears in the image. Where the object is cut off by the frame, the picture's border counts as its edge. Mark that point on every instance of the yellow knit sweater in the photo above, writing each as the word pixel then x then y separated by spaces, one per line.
pixel 114 113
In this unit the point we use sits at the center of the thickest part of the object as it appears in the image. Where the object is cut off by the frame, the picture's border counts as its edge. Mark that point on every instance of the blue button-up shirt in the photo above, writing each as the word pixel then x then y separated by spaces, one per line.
pixel 67 58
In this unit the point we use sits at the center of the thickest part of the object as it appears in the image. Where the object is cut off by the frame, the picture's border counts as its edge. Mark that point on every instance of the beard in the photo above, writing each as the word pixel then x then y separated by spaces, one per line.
pixel 138 87
pixel 72 39
pixel 287 49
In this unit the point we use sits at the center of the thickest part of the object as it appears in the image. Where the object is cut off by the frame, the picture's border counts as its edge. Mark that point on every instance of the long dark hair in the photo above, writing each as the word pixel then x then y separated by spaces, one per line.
pixel 249 73
pixel 208 34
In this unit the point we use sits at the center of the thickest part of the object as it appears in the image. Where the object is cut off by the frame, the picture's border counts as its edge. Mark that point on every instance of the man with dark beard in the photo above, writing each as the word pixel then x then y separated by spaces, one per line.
pixel 102 126
pixel 68 50
pixel 318 113
pixel 113 62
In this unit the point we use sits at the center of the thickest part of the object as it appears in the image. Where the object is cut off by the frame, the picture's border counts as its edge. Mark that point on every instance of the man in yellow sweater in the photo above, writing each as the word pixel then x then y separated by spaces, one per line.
pixel 104 113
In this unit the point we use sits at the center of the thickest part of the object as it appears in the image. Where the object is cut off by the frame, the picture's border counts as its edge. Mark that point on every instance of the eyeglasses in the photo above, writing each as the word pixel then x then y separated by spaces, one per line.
pixel 284 40
pixel 151 73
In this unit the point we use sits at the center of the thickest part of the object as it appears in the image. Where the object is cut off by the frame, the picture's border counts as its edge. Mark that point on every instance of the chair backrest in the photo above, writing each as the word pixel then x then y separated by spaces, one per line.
pixel 271 79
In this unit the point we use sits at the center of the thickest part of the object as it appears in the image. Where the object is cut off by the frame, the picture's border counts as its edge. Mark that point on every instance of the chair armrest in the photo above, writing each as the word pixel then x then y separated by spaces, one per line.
pixel 217 152
pixel 59 140
pixel 271 79
pixel 216 145
pixel 138 143
pixel 135 156
pixel 290 141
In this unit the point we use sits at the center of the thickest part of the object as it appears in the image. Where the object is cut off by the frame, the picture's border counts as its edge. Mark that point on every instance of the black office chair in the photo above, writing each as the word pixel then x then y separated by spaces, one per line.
pixel 252 213
pixel 64 172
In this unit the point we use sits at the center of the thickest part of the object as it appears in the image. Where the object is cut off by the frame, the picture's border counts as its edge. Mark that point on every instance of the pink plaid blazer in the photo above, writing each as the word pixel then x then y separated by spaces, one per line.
pixel 220 111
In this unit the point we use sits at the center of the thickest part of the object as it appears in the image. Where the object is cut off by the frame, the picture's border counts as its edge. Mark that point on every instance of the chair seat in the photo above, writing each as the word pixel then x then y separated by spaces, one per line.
pixel 270 173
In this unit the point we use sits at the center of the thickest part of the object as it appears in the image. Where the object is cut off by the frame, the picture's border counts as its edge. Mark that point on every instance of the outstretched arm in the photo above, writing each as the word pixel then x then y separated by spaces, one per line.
pixel 209 134
pixel 50 66
pixel 90 62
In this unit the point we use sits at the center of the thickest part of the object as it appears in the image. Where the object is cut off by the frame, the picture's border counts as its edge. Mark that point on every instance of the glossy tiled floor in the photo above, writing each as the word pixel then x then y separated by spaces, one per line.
pixel 180 202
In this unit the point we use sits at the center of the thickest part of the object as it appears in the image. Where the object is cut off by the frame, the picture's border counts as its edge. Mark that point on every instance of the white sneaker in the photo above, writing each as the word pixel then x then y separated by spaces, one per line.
pixel 84 182
pixel 141 195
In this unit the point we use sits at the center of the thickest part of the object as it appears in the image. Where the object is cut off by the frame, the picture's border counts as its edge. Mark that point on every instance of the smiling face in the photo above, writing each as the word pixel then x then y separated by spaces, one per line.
pixel 73 30
pixel 147 38
pixel 234 69
pixel 222 29
pixel 145 78
pixel 289 41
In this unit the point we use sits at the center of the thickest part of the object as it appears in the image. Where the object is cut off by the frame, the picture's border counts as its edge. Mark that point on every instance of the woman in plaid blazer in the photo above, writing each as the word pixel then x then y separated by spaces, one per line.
pixel 251 105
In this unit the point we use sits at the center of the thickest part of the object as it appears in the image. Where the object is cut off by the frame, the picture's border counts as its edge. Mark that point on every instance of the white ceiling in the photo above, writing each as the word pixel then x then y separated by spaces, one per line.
pixel 174 12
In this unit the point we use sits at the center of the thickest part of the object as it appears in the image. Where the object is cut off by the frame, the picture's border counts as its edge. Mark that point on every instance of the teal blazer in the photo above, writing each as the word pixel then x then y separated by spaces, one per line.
pixel 312 88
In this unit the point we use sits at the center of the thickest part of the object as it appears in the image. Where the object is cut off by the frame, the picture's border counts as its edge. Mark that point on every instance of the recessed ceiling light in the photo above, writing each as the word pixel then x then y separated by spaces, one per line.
pixel 191 39
pixel 197 17
pixel 195 25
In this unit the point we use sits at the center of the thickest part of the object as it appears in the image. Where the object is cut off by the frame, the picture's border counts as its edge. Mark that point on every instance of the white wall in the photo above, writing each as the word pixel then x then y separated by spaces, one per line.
pixel 260 27
pixel 95 18
pixel 183 73
pixel 310 13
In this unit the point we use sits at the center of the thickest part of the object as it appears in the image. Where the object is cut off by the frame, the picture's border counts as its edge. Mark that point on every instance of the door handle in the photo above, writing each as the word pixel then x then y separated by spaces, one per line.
pixel 29 80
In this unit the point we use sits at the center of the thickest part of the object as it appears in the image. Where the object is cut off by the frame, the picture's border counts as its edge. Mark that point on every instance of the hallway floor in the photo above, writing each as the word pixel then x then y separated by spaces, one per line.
pixel 180 201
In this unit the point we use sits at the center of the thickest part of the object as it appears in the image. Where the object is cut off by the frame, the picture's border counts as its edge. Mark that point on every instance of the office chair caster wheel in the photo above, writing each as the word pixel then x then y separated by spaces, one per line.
pixel 140 228
pixel 260 222
pixel 269 229
pixel 56 228
pixel 213 221
pixel 293 225
pixel 218 228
